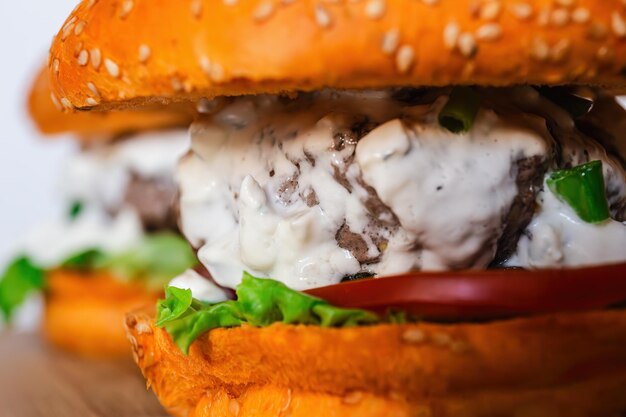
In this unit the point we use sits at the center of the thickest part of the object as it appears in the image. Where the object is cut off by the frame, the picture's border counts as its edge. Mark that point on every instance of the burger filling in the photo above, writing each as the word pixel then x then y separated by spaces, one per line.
pixel 332 186
pixel 121 218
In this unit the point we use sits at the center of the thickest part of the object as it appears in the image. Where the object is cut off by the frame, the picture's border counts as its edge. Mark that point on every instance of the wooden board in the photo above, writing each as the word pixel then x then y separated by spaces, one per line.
pixel 38 381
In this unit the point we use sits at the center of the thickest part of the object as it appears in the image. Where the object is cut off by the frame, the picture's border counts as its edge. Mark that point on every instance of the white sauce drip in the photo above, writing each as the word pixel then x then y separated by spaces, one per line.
pixel 557 237
pixel 201 288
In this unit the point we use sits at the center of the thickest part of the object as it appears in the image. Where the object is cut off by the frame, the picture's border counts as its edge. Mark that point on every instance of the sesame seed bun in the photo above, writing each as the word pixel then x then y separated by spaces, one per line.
pixel 46 112
pixel 84 312
pixel 555 365
pixel 136 51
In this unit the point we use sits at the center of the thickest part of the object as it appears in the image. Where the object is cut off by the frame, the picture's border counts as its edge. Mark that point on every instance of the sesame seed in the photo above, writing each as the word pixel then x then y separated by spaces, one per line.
pixel 67 27
pixel 55 101
pixel 539 49
pixel 467 44
pixel 66 103
pixel 404 58
pixel 217 72
pixel 490 10
pixel 126 8
pixel 196 8
pixel 605 54
pixel 93 89
pixel 96 58
pixel 597 31
pixel 233 407
pixel 83 58
pixel 560 51
pixel 353 397
pixel 263 11
pixel 375 9
pixel 177 85
pixel 112 68
pixel 451 35
pixel 414 336
pixel 522 11
pixel 90 3
pixel 489 32
pixel 560 17
pixel 205 64
pixel 90 101
pixel 618 25
pixel 391 40
pixel 322 17
pixel 80 26
pixel 55 65
pixel 230 2
pixel 144 53
pixel 581 15
pixel 430 2
pixel 67 30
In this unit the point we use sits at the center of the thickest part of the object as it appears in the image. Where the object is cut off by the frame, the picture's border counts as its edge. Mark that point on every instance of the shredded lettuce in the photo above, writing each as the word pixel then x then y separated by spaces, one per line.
pixel 260 302
pixel 20 279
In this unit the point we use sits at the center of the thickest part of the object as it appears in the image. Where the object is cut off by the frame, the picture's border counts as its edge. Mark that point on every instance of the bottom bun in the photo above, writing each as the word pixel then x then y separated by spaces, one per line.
pixel 570 364
pixel 84 312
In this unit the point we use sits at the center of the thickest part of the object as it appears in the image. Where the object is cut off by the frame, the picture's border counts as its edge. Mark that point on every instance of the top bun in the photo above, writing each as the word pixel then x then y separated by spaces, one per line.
pixel 119 53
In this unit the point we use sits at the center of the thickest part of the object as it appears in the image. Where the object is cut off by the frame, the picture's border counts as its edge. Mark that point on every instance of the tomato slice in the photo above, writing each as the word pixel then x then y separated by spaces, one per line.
pixel 484 294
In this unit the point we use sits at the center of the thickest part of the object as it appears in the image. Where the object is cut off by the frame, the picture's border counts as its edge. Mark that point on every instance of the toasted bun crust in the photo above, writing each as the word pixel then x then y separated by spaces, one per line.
pixel 137 51
pixel 50 119
pixel 571 364
pixel 85 312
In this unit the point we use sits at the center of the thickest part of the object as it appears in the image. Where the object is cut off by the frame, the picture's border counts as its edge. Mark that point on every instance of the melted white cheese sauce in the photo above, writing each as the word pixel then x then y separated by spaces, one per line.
pixel 98 177
pixel 254 166
pixel 51 244
pixel 201 288
pixel 450 192
pixel 557 237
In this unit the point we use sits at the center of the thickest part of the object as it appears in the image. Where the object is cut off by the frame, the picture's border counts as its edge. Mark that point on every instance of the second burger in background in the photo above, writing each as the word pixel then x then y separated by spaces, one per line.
pixel 118 243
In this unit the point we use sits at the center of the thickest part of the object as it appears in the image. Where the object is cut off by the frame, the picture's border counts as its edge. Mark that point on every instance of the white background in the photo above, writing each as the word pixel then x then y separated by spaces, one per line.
pixel 29 166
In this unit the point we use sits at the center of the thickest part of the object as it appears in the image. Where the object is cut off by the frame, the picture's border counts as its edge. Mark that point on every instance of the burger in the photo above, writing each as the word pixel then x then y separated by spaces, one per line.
pixel 118 243
pixel 418 204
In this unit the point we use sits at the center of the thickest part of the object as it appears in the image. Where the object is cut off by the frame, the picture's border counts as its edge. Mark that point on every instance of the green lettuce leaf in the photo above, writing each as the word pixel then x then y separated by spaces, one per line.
pixel 86 260
pixel 20 279
pixel 177 301
pixel 159 257
pixel 155 260
pixel 260 302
